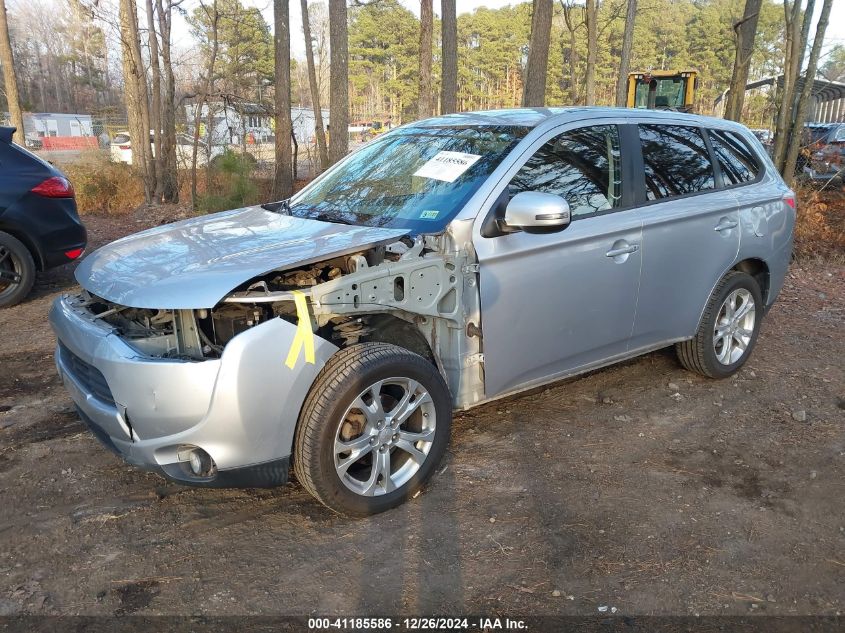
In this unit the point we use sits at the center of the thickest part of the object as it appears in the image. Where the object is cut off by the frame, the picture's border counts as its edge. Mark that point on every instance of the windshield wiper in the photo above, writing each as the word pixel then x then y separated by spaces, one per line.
pixel 282 207
pixel 325 217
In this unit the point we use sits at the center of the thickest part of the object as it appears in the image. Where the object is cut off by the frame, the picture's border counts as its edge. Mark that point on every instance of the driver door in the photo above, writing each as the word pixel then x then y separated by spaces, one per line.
pixel 554 303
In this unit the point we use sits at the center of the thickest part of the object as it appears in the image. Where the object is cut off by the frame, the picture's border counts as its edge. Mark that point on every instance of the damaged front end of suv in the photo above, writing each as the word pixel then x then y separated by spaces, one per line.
pixel 334 332
pixel 211 395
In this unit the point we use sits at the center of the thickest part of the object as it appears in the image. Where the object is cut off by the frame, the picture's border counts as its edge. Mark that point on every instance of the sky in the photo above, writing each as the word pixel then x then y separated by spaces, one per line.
pixel 835 33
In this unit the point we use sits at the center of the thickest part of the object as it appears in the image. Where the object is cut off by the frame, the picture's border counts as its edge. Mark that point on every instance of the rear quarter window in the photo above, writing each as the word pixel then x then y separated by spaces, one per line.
pixel 676 161
pixel 736 160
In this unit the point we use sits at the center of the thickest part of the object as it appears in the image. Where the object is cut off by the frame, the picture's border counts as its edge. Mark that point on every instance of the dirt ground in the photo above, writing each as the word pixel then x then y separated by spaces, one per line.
pixel 641 487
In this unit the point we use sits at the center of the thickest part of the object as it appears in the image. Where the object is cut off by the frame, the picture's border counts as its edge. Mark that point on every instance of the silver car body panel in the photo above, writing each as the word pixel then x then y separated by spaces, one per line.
pixel 682 276
pixel 499 314
pixel 195 263
pixel 160 405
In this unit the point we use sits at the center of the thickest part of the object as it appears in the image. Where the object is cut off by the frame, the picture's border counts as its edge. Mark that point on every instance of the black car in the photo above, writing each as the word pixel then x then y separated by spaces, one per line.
pixel 39 224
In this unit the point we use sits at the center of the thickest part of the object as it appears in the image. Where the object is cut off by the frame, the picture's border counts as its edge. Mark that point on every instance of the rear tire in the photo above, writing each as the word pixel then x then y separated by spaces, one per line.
pixel 728 329
pixel 372 430
pixel 17 270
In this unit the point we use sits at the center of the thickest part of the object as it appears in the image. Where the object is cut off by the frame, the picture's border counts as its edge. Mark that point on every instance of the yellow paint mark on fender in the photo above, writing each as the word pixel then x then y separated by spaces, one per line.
pixel 304 336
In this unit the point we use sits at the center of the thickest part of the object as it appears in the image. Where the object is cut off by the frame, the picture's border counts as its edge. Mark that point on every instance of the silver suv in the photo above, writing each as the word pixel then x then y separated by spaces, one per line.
pixel 445 264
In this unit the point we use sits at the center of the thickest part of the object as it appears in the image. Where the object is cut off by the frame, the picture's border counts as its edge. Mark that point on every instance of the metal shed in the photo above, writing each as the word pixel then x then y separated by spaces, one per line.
pixel 828 98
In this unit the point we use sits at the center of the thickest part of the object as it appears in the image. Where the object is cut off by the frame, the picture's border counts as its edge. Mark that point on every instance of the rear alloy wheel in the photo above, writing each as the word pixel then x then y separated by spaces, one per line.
pixel 373 428
pixel 17 271
pixel 734 326
pixel 728 329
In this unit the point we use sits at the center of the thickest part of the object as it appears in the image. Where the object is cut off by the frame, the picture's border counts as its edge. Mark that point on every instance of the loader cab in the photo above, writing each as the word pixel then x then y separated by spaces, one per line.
pixel 663 90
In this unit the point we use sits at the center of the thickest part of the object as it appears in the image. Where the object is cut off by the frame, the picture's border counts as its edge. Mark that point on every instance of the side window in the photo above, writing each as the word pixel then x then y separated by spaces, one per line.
pixel 676 161
pixel 736 161
pixel 582 166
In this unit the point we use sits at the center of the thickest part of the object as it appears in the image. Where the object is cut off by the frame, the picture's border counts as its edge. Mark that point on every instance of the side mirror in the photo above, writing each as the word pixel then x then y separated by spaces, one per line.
pixel 533 211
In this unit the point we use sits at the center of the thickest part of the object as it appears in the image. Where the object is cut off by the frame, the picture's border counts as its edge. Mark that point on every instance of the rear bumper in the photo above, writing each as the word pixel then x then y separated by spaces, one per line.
pixel 241 409
pixel 49 226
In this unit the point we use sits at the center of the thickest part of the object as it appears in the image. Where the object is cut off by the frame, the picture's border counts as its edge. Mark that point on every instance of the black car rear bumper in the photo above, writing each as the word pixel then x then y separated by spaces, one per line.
pixel 50 227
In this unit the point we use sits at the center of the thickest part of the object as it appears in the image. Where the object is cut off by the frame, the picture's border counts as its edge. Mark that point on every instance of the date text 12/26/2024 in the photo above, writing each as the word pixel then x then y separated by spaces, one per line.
pixel 416 624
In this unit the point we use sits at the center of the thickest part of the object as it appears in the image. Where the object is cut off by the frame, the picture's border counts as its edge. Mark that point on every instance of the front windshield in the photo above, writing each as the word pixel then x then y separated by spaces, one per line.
pixel 414 178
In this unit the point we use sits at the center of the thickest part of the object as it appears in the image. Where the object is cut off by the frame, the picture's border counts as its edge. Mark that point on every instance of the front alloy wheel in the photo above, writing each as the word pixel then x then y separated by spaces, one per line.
pixel 373 428
pixel 385 436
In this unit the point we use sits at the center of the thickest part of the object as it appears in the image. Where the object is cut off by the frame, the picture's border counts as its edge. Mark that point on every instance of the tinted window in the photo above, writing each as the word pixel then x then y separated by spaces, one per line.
pixel 120 138
pixel 676 161
pixel 582 166
pixel 735 159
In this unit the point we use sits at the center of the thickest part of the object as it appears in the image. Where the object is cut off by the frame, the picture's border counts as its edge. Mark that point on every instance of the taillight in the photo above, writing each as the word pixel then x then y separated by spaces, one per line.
pixel 125 146
pixel 73 254
pixel 790 200
pixel 55 187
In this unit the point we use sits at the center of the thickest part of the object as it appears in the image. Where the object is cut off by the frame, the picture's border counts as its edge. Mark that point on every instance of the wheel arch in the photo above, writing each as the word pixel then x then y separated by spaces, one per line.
pixel 390 328
pixel 30 245
pixel 758 269
pixel 754 266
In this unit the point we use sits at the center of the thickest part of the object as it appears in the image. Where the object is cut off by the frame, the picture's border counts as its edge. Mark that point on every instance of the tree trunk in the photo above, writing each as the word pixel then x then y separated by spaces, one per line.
pixel 10 78
pixel 790 74
pixel 169 179
pixel 573 52
pixel 625 57
pixel 806 93
pixel 137 96
pixel 534 90
pixel 805 35
pixel 155 109
pixel 283 181
pixel 449 57
pixel 424 101
pixel 203 98
pixel 319 128
pixel 745 30
pixel 591 15
pixel 338 81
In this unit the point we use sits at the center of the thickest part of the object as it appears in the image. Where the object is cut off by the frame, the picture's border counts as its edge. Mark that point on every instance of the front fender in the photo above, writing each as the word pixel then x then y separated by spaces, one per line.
pixel 258 397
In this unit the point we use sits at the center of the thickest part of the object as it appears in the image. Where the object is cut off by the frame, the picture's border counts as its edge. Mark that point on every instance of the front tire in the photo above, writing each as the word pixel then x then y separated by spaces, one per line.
pixel 17 270
pixel 728 329
pixel 373 428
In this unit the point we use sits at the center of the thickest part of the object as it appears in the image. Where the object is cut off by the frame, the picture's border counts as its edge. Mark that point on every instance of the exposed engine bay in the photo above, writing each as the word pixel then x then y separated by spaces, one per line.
pixel 410 293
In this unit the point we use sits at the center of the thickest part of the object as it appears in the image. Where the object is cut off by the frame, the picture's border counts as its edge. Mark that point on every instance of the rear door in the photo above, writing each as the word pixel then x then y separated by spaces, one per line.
pixel 691 232
pixel 555 302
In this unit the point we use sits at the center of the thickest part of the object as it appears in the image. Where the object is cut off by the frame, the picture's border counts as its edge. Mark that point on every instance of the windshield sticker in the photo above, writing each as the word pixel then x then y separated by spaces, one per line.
pixel 447 166
pixel 429 214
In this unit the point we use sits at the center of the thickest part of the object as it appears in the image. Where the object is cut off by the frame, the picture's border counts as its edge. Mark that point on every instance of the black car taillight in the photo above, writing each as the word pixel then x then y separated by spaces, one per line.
pixel 55 187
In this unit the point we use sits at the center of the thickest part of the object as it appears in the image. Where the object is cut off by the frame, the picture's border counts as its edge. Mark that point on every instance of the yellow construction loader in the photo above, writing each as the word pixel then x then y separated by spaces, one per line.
pixel 663 89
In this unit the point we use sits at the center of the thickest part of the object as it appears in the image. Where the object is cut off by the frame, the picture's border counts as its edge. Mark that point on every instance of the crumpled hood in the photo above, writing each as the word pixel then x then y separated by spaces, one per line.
pixel 195 263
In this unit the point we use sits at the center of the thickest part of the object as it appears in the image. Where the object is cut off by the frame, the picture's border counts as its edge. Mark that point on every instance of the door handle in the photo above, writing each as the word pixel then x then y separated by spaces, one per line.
pixel 623 250
pixel 726 224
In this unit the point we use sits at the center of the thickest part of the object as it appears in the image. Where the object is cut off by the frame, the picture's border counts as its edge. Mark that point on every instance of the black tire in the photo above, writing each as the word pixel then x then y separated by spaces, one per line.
pixel 17 270
pixel 347 374
pixel 699 353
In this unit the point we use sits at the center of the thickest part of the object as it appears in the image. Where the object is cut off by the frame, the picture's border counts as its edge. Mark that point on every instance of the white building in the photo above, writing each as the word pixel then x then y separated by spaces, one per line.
pixel 39 125
pixel 236 123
